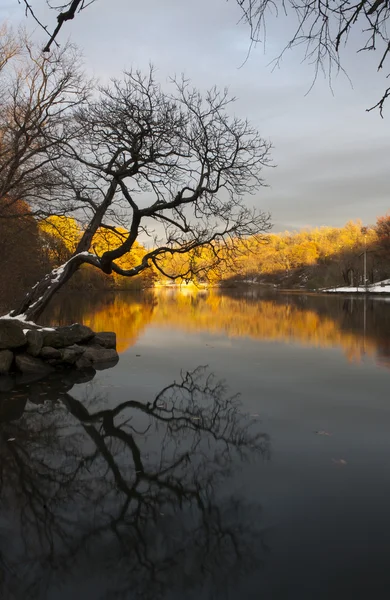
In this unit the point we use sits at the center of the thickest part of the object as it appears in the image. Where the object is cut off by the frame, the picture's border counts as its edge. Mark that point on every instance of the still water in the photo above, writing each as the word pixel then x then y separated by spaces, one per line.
pixel 239 449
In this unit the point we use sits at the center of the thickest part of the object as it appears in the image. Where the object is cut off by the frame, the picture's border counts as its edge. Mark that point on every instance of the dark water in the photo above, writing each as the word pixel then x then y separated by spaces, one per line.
pixel 155 480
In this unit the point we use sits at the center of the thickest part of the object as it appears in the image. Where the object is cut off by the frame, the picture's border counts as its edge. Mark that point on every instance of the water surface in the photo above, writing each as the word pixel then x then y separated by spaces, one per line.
pixel 155 480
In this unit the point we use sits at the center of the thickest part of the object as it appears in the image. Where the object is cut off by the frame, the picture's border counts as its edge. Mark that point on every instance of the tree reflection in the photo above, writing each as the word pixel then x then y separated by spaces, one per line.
pixel 134 497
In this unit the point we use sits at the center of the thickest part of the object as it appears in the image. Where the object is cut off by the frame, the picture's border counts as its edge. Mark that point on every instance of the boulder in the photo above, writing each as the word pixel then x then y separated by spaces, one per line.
pixel 107 364
pixel 6 358
pixel 30 364
pixel 11 334
pixel 61 337
pixel 7 383
pixel 75 376
pixel 107 339
pixel 83 363
pixel 97 354
pixel 48 352
pixel 34 341
pixel 72 353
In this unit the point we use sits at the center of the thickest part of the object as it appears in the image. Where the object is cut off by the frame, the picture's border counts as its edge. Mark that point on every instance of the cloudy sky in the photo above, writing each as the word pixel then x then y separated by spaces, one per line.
pixel 332 156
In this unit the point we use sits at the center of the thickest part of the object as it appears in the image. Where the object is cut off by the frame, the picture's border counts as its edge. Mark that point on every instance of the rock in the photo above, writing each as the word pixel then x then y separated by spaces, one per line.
pixel 7 383
pixel 24 380
pixel 62 337
pixel 30 364
pixel 107 364
pixel 107 339
pixel 97 354
pixel 72 353
pixel 83 363
pixel 48 352
pixel 74 376
pixel 11 334
pixel 6 358
pixel 34 341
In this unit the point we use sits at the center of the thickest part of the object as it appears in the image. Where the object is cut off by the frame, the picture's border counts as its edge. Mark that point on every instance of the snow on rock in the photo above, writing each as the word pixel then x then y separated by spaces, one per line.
pixel 21 318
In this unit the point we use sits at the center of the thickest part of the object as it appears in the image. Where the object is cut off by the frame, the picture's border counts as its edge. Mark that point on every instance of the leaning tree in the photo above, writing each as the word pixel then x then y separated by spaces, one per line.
pixel 171 164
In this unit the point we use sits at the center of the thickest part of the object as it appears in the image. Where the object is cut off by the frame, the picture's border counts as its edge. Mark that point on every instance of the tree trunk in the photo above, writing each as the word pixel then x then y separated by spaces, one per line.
pixel 40 295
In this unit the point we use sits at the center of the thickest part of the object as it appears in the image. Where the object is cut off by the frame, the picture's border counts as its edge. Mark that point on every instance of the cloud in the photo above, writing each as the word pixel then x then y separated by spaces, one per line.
pixel 332 156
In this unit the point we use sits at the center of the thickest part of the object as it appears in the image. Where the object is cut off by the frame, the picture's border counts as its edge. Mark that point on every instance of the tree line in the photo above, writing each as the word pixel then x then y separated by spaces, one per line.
pixel 321 257
pixel 311 258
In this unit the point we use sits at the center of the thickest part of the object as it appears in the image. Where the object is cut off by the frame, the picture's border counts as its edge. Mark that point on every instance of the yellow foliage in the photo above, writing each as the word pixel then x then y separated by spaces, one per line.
pixel 105 240
pixel 275 253
pixel 60 237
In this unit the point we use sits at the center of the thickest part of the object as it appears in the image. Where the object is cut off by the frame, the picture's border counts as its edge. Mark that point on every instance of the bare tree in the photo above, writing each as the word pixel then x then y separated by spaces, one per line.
pixel 323 27
pixel 144 157
pixel 36 95
pixel 66 12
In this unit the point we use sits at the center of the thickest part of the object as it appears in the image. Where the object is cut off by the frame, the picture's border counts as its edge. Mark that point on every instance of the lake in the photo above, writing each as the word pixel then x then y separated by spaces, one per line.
pixel 240 448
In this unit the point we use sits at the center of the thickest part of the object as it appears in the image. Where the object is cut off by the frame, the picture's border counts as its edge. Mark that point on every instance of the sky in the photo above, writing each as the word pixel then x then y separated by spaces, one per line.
pixel 331 157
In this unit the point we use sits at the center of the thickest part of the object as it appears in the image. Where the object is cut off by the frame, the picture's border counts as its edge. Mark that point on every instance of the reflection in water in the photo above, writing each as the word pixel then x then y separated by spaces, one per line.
pixel 359 327
pixel 126 314
pixel 124 501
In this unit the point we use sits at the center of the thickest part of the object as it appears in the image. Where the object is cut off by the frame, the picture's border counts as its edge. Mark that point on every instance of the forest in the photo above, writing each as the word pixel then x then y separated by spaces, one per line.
pixel 310 259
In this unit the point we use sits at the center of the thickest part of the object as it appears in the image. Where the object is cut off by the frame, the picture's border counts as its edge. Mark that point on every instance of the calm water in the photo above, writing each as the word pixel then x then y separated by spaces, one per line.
pixel 239 449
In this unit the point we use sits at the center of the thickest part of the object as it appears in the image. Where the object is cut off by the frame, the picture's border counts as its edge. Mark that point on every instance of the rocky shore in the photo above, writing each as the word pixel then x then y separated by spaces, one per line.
pixel 28 348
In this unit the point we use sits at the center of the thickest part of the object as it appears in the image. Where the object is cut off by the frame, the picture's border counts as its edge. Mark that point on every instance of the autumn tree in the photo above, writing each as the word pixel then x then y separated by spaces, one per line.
pixel 382 229
pixel 60 236
pixel 21 257
pixel 173 165
pixel 382 246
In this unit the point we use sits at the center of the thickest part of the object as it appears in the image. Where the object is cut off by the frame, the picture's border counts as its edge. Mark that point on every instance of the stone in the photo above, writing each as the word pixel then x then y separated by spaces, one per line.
pixel 75 376
pixel 97 354
pixel 107 364
pixel 6 358
pixel 7 383
pixel 61 337
pixel 83 363
pixel 48 352
pixel 34 341
pixel 11 334
pixel 107 339
pixel 72 353
pixel 30 364
pixel 26 379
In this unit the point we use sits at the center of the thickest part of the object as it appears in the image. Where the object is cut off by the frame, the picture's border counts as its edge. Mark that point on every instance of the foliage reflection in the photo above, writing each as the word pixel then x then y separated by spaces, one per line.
pixel 356 326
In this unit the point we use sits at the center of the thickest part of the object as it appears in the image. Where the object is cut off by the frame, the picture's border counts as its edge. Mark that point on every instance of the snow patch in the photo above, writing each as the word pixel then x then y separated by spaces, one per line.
pixel 381 287
pixel 22 319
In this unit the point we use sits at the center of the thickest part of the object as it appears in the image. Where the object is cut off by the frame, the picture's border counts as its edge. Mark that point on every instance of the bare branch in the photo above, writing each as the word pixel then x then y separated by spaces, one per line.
pixel 323 28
